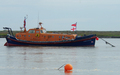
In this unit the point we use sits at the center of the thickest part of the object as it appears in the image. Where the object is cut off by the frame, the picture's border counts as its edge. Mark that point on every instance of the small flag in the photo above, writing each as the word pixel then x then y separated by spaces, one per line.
pixel 73 29
pixel 24 22
pixel 74 24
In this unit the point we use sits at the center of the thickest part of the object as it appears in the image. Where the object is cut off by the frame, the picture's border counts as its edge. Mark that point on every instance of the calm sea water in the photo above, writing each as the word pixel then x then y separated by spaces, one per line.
pixel 99 60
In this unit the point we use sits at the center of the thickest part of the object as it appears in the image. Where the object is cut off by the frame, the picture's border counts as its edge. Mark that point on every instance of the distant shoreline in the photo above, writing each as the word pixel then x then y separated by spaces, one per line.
pixel 101 34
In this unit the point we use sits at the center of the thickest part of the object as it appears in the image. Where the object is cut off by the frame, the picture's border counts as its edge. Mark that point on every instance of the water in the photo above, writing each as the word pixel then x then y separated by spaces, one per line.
pixel 99 60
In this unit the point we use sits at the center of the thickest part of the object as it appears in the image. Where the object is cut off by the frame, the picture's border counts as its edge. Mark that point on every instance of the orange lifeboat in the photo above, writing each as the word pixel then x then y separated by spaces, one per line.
pixel 39 37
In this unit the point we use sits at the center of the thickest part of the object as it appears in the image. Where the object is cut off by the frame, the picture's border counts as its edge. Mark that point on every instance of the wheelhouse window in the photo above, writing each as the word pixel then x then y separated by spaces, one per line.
pixel 44 31
pixel 37 31
pixel 41 31
pixel 32 31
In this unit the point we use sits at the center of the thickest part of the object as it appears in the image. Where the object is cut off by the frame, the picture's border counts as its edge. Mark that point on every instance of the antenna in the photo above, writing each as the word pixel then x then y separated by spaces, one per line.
pixel 38 19
pixel 26 16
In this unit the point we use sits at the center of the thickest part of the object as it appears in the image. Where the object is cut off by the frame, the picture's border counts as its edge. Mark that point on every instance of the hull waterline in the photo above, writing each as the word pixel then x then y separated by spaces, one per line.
pixel 79 41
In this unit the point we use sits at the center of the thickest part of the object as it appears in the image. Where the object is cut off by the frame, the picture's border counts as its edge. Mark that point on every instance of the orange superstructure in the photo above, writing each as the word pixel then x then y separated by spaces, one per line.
pixel 40 34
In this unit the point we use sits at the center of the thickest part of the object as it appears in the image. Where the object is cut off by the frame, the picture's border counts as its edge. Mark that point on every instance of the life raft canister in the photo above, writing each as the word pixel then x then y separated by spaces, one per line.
pixel 37 35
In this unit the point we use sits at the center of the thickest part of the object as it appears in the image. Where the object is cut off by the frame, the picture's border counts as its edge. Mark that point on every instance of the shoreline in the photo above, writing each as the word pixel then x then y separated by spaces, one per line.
pixel 100 34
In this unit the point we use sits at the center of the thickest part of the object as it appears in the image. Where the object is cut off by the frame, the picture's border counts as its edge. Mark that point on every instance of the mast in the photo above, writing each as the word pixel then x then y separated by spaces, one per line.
pixel 25 23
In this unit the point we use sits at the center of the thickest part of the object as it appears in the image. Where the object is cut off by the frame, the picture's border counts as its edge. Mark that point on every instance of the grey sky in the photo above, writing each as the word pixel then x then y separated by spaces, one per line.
pixel 95 15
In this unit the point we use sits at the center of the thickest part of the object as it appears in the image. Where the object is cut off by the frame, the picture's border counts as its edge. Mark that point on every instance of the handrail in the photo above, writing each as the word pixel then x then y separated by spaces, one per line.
pixel 9 30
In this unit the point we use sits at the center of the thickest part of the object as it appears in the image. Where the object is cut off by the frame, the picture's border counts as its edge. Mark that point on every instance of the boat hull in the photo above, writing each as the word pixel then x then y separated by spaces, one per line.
pixel 79 41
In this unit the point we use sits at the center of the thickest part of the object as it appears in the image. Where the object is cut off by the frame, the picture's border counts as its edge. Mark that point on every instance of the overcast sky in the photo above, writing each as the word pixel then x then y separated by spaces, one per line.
pixel 94 15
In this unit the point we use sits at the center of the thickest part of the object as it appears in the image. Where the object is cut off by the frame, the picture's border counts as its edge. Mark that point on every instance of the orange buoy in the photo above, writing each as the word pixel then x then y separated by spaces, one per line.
pixel 68 67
